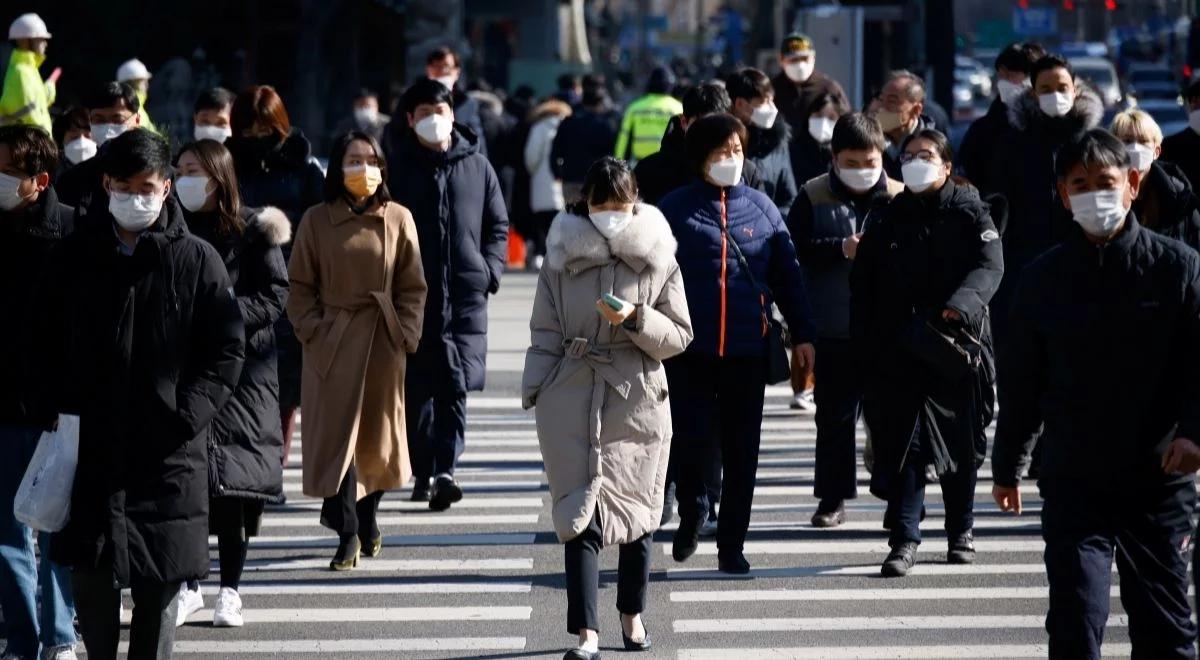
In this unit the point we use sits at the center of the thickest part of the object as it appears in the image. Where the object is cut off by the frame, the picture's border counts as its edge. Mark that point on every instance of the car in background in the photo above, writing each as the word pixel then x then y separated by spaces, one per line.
pixel 1148 81
pixel 1169 114
pixel 1102 74
pixel 973 75
pixel 1081 49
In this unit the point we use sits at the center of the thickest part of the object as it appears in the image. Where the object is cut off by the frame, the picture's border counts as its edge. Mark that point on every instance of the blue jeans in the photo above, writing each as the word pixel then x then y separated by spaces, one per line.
pixel 19 572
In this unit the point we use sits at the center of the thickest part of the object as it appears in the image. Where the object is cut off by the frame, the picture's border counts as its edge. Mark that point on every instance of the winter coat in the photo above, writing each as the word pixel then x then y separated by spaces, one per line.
pixel 728 312
pixel 462 224
pixel 147 349
pixel 468 112
pixel 582 139
pixel 26 98
pixel 923 255
pixel 1183 149
pixel 810 159
pixel 1167 204
pixel 894 150
pixel 668 169
pixel 823 217
pixel 978 147
pixel 545 190
pixel 795 99
pixel 1140 294
pixel 768 150
pixel 357 298
pixel 81 186
pixel 27 238
pixel 245 452
pixel 603 418
pixel 287 177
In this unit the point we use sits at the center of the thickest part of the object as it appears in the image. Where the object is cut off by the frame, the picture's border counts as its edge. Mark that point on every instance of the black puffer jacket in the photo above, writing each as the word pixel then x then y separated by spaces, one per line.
pixel 462 226
pixel 769 152
pixel 147 348
pixel 1167 204
pixel 582 139
pixel 925 254
pixel 1183 149
pixel 667 169
pixel 1140 295
pixel 810 159
pixel 978 146
pixel 27 238
pixel 245 451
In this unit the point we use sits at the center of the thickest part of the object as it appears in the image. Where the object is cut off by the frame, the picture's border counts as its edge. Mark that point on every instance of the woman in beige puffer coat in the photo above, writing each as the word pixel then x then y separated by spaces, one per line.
pixel 596 377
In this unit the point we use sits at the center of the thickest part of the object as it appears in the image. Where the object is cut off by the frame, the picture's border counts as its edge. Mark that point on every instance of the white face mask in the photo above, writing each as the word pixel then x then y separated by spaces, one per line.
pixel 203 132
pixel 136 212
pixel 1194 120
pixel 448 81
pixel 919 175
pixel 9 197
pixel 860 180
pixel 102 133
pixel 1099 212
pixel 1140 156
pixel 1056 104
pixel 434 129
pixel 764 115
pixel 821 129
pixel 726 172
pixel 193 191
pixel 610 223
pixel 79 149
pixel 799 72
pixel 365 116
pixel 1009 91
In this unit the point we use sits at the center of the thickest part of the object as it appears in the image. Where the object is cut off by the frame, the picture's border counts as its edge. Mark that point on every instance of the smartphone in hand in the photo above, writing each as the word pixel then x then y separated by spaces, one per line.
pixel 614 302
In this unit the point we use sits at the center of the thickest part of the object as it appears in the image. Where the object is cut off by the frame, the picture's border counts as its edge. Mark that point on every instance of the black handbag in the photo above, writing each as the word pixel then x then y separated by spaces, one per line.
pixel 950 350
pixel 779 366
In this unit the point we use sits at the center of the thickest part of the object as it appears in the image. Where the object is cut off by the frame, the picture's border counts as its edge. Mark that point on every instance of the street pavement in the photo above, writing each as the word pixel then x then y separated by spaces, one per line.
pixel 485 578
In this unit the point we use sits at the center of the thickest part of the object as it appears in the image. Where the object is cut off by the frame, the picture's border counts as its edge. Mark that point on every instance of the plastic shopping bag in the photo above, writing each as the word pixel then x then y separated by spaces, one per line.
pixel 43 500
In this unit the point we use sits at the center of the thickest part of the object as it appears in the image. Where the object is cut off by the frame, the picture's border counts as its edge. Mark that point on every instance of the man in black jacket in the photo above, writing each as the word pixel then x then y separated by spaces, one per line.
pixel 144 339
pixel 584 137
pixel 1183 148
pixel 754 105
pixel 1111 478
pixel 454 196
pixel 112 110
pixel 32 223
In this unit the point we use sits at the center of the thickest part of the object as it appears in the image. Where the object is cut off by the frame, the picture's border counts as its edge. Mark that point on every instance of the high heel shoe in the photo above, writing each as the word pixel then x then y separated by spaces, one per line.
pixel 347 554
pixel 372 548
pixel 631 645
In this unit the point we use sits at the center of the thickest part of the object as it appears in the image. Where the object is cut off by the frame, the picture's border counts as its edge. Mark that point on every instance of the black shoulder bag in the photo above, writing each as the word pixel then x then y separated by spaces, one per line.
pixel 779 367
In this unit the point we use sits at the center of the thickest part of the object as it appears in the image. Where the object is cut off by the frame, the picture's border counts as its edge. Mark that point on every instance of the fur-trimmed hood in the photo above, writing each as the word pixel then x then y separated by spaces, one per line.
pixel 574 242
pixel 1086 114
pixel 549 108
pixel 272 224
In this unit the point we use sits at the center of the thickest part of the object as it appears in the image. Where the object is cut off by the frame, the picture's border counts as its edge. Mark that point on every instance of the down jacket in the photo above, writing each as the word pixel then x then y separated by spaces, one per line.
pixel 603 419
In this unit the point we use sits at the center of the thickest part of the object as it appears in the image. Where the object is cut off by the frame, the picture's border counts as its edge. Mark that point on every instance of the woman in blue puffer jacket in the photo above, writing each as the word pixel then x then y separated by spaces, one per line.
pixel 720 382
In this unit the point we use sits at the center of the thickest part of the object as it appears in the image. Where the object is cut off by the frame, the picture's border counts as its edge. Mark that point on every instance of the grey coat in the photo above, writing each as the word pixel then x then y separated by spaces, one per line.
pixel 603 418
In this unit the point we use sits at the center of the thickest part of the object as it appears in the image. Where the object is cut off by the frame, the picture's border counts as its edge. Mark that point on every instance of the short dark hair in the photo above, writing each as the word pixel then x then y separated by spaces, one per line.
pixel 214 98
pixel 661 81
pixel 567 82
pixel 940 141
pixel 32 150
pixel 708 134
pixel 706 99
pixel 1020 56
pixel 335 183
pixel 1049 63
pixel 748 84
pixel 135 151
pixel 1193 91
pixel 426 90
pixel 440 53
pixel 607 180
pixel 112 94
pixel 593 96
pixel 366 93
pixel 74 119
pixel 856 131
pixel 821 101
pixel 1095 148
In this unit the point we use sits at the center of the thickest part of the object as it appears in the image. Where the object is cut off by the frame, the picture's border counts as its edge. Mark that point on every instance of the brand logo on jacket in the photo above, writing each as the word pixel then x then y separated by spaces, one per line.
pixel 749 231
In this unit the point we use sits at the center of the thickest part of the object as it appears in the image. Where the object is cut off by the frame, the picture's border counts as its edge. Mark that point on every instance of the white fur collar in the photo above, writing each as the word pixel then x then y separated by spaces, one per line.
pixel 574 242
pixel 273 224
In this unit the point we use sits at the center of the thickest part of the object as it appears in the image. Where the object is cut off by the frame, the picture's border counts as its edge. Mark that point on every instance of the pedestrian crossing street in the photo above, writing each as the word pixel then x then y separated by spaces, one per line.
pixel 485 578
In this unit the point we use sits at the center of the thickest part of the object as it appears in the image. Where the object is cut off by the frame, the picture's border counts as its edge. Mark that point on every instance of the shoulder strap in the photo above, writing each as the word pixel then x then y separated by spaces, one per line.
pixel 745 264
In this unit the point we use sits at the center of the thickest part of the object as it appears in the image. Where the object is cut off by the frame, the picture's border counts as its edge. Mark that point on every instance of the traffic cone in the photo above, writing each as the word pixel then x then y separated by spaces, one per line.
pixel 516 249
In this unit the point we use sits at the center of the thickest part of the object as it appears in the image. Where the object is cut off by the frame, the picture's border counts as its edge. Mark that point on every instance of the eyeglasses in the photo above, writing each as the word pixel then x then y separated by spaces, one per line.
pixel 924 154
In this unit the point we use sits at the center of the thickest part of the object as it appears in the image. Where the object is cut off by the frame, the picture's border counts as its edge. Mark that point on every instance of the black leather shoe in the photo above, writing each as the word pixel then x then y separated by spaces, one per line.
pixel 631 645
pixel 446 491
pixel 830 513
pixel 687 539
pixel 347 554
pixel 580 654
pixel 733 563
pixel 420 491
pixel 962 549
pixel 901 558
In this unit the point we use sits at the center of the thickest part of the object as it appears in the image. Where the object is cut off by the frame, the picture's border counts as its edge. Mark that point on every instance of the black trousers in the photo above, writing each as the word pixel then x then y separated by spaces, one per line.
pixel 717 400
pixel 436 417
pixel 97 604
pixel 233 520
pixel 345 514
pixel 907 499
pixel 1147 534
pixel 583 577
pixel 838 395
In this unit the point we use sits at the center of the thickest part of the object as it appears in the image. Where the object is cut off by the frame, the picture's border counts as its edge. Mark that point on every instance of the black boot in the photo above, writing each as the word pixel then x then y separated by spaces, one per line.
pixel 830 513
pixel 687 539
pixel 962 549
pixel 900 560
pixel 732 562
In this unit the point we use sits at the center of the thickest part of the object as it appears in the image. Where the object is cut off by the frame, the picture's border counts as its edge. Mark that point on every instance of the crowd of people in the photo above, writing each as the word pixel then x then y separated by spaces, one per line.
pixel 185 302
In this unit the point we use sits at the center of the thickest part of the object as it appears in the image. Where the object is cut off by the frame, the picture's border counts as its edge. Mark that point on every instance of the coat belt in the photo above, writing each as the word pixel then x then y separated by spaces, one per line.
pixel 345 313
pixel 599 358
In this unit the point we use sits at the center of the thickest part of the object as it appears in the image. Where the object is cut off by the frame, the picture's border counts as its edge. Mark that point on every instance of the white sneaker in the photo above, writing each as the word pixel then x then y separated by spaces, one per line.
pixel 228 611
pixel 804 401
pixel 190 602
pixel 66 652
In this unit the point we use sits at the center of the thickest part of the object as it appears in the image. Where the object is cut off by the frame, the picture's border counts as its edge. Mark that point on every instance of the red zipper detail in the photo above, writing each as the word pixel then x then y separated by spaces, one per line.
pixel 724 273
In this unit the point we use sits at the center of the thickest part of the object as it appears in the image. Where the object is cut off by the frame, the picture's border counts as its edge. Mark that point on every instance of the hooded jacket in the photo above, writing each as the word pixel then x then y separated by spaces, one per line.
pixel 768 150
pixel 147 349
pixel 1167 204
pixel 600 391
pixel 545 190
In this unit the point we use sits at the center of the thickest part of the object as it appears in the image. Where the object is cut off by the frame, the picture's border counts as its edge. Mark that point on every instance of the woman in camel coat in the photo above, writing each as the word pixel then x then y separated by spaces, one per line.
pixel 357 301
